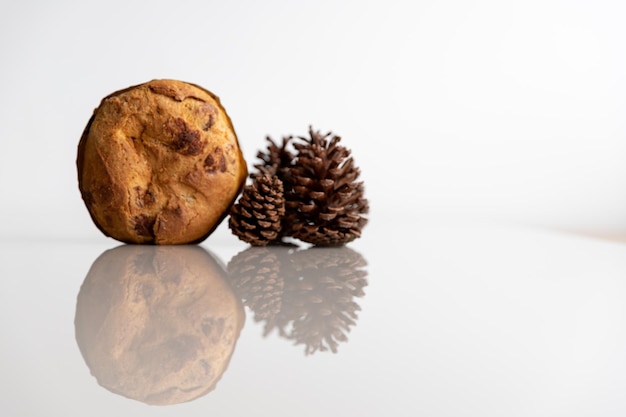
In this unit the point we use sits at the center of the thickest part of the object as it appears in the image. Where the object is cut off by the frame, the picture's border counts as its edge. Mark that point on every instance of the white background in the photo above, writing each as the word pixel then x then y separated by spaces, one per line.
pixel 501 109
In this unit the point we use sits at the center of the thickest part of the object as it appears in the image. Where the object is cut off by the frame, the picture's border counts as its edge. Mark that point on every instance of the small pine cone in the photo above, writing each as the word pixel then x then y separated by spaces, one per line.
pixel 275 158
pixel 324 201
pixel 257 217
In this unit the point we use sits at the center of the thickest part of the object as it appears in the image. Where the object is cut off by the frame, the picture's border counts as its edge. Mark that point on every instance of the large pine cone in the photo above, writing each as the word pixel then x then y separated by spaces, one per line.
pixel 324 201
pixel 258 215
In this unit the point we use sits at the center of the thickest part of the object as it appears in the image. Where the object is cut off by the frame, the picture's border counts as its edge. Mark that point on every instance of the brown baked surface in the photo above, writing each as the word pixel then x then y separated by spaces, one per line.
pixel 157 324
pixel 160 163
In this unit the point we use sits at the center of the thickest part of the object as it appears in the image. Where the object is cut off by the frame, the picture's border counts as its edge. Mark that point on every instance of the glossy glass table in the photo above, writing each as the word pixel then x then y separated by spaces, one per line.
pixel 432 317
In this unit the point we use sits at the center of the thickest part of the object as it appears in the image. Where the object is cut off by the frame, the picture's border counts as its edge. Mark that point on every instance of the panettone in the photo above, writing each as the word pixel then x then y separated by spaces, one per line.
pixel 160 163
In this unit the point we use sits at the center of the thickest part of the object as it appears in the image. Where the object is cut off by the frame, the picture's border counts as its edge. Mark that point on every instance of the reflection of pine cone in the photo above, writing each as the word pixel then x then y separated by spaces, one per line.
pixel 324 201
pixel 257 217
pixel 256 278
pixel 306 295
pixel 329 281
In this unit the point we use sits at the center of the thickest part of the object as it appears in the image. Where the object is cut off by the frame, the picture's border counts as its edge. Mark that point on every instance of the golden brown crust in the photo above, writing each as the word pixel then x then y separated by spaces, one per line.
pixel 157 324
pixel 160 163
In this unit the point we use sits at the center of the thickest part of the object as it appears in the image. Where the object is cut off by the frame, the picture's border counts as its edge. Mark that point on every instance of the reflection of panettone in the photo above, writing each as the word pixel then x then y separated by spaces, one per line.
pixel 157 324
pixel 160 163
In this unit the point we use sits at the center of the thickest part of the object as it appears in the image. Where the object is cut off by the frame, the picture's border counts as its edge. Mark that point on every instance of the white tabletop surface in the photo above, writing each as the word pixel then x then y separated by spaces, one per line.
pixel 453 319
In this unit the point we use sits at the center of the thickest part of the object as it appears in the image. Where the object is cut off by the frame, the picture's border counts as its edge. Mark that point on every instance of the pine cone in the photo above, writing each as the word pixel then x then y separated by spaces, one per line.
pixel 257 217
pixel 275 159
pixel 324 202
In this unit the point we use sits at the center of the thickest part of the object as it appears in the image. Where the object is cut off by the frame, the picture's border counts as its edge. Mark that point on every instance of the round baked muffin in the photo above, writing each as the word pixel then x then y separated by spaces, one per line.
pixel 160 163
pixel 157 324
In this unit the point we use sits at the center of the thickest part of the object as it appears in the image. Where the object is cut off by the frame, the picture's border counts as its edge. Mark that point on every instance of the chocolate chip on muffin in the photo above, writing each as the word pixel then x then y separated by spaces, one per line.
pixel 160 163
